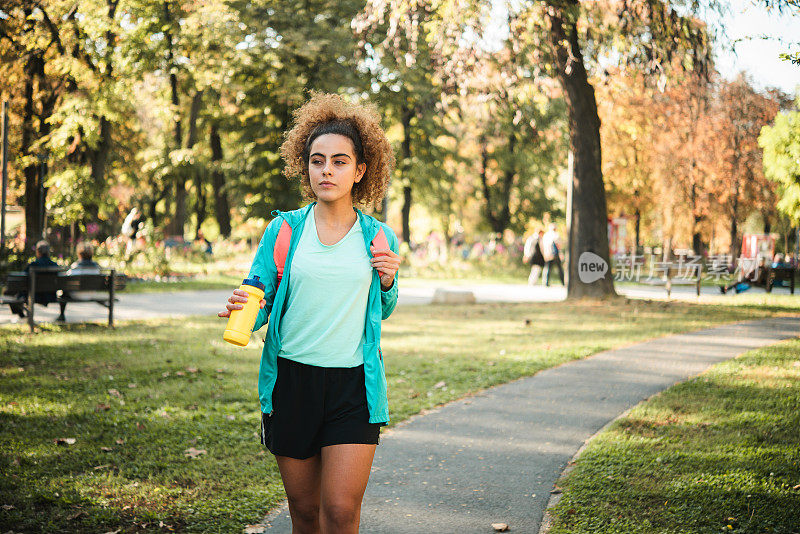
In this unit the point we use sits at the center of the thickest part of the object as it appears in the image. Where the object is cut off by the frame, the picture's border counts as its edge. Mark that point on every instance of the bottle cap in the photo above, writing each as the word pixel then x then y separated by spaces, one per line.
pixel 255 282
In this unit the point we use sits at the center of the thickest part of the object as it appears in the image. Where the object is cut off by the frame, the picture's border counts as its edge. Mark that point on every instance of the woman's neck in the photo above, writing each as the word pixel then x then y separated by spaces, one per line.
pixel 335 214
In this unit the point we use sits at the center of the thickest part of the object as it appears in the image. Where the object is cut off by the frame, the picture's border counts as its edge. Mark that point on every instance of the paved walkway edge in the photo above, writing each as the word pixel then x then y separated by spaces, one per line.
pixel 548 519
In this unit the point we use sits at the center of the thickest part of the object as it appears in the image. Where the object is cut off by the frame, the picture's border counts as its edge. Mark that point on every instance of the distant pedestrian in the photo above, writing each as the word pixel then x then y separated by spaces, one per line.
pixel 204 243
pixel 552 254
pixel 533 253
pixel 130 227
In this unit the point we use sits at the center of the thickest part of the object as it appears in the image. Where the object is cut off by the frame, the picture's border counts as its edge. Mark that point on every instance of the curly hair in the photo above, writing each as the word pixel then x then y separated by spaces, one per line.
pixel 330 113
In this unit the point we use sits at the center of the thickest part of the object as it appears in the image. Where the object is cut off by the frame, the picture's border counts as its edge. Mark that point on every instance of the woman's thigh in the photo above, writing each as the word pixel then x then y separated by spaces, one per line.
pixel 345 473
pixel 301 478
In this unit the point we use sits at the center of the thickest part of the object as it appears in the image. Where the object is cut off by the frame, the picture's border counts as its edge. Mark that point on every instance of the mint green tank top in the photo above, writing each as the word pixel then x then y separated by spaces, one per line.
pixel 326 308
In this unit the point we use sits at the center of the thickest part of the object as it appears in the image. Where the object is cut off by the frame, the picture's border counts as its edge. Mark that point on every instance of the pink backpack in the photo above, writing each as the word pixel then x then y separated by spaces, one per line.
pixel 281 249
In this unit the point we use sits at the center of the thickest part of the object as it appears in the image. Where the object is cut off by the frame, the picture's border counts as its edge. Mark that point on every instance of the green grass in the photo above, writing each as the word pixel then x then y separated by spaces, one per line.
pixel 73 381
pixel 718 453
pixel 211 281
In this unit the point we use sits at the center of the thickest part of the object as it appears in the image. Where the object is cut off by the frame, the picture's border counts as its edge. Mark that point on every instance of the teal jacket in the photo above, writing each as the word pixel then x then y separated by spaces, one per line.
pixel 380 305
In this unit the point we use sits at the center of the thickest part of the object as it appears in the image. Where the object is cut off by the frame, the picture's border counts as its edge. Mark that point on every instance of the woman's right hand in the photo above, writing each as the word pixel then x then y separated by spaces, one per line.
pixel 235 302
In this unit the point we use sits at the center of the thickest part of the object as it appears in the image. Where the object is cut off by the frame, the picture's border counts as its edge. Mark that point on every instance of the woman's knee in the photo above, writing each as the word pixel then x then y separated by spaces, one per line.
pixel 341 514
pixel 305 509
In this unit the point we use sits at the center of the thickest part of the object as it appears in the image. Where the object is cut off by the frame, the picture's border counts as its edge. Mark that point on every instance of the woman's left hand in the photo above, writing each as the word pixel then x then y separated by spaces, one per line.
pixel 387 263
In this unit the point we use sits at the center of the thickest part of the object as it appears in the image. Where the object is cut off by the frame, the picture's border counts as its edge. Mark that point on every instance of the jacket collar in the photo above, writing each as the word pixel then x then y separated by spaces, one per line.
pixel 369 225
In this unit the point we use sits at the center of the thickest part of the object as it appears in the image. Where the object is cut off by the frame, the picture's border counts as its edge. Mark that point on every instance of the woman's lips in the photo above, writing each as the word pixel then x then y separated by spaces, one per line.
pixel 326 184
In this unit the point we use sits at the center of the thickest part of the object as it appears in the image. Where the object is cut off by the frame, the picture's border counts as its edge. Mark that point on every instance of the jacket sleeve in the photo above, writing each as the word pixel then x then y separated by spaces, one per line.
pixel 389 297
pixel 264 267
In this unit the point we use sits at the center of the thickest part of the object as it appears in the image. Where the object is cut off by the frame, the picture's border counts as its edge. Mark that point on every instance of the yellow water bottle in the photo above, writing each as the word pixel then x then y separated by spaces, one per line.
pixel 241 322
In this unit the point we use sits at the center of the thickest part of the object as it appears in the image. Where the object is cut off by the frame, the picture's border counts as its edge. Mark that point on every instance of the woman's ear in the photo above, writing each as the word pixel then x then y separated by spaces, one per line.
pixel 361 168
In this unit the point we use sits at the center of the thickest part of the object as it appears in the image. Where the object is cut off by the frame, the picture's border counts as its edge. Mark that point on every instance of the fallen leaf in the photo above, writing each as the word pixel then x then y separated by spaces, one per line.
pixel 113 531
pixel 64 441
pixel 180 373
pixel 120 441
pixel 76 515
pixel 220 370
pixel 131 385
pixel 114 392
pixel 101 466
pixel 440 384
pixel 797 487
pixel 8 507
pixel 102 407
pixel 192 369
pixel 254 529
pixel 106 449
pixel 191 452
pixel 500 527
pixel 231 417
pixel 165 374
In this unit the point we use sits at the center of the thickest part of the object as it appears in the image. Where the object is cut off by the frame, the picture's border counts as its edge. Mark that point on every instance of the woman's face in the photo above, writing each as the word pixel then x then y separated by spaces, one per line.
pixel 332 167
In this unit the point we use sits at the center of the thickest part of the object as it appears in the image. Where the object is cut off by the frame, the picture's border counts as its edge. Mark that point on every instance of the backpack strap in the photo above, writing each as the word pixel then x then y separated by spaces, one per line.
pixel 281 249
pixel 380 241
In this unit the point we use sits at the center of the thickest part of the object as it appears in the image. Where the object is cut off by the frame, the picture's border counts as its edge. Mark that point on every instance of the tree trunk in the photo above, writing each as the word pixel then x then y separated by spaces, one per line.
pixel 589 224
pixel 98 159
pixel 179 178
pixel 510 177
pixel 222 208
pixel 638 223
pixel 735 246
pixel 98 156
pixel 487 192
pixel 498 210
pixel 406 154
pixel 34 68
pixel 199 176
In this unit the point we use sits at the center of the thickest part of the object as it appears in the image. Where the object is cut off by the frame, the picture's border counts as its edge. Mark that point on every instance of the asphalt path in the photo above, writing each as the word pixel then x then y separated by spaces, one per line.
pixel 209 302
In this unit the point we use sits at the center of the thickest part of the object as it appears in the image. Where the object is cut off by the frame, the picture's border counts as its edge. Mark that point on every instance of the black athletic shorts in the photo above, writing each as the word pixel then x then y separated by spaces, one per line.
pixel 313 407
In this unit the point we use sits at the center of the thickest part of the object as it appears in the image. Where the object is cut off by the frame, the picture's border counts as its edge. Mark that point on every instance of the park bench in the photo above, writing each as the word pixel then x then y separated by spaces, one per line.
pixel 786 274
pixel 661 273
pixel 671 275
pixel 51 279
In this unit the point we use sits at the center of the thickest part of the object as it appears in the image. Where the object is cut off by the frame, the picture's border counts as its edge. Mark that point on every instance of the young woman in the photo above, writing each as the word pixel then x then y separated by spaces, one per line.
pixel 321 384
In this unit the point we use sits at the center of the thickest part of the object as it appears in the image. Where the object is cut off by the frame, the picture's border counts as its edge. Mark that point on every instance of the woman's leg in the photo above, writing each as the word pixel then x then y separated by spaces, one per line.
pixel 301 479
pixel 345 472
pixel 534 276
